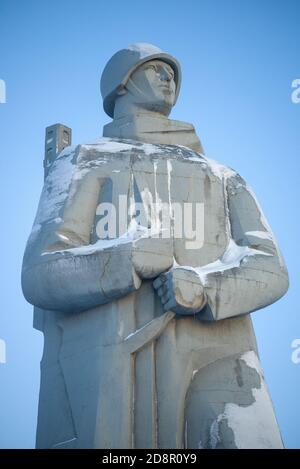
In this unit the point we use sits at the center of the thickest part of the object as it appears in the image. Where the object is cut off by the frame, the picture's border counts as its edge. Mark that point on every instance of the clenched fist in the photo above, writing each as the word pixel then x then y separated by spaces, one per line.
pixel 180 290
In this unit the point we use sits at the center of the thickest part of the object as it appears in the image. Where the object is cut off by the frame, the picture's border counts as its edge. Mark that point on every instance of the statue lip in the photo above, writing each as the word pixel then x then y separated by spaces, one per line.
pixel 166 87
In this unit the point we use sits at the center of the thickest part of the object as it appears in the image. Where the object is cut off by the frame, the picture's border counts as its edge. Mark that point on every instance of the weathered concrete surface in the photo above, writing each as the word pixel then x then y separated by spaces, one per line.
pixel 57 138
pixel 155 366
pixel 154 129
pixel 148 340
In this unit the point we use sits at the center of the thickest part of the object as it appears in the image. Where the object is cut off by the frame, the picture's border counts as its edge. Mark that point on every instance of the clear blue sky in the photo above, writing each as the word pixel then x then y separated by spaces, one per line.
pixel 239 58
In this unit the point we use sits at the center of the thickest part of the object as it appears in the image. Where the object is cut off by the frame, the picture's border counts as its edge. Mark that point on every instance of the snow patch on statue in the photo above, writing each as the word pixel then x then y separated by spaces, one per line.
pixel 108 145
pixel 259 414
pixel 55 191
pixel 232 258
pixel 144 49
pixel 134 232
pixel 219 170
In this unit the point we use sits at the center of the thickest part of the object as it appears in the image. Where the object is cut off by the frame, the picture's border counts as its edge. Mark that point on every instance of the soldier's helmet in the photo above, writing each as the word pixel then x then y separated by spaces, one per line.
pixel 123 63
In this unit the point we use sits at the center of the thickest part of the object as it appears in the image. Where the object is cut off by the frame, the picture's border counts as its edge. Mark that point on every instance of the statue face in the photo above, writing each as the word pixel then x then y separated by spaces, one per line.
pixel 152 87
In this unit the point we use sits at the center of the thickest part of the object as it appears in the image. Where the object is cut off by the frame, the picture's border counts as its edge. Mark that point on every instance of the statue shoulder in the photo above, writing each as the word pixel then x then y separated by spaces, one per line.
pixel 231 177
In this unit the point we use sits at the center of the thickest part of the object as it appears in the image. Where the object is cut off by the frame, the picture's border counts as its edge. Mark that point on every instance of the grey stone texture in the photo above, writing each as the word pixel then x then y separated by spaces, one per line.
pixel 148 339
pixel 57 138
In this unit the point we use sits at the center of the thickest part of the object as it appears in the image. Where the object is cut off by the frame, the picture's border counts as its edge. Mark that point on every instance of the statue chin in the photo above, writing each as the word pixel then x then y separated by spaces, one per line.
pixel 160 107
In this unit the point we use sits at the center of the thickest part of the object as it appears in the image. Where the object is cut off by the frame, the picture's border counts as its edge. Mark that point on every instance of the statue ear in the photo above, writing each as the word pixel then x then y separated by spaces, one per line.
pixel 121 90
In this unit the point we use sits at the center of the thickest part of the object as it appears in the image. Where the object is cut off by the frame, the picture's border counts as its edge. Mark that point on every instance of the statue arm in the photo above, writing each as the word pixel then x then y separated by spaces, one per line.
pixel 73 280
pixel 80 278
pixel 250 275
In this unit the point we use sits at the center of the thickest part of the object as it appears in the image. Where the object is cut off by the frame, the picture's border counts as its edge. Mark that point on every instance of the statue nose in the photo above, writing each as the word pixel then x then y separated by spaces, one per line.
pixel 166 76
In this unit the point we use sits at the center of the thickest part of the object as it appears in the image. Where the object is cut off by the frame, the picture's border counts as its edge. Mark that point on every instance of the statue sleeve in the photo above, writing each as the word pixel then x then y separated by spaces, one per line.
pixel 74 282
pixel 61 270
pixel 251 274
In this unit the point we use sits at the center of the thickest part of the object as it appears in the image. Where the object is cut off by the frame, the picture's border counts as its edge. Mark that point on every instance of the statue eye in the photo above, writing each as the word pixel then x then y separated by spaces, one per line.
pixel 152 67
pixel 171 72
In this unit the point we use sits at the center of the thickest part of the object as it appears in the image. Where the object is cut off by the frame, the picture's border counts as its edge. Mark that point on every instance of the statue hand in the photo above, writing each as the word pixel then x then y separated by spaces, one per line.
pixel 152 256
pixel 180 290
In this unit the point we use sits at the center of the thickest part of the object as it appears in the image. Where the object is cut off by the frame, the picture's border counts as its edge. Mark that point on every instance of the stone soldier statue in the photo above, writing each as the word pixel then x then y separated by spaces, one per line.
pixel 145 311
